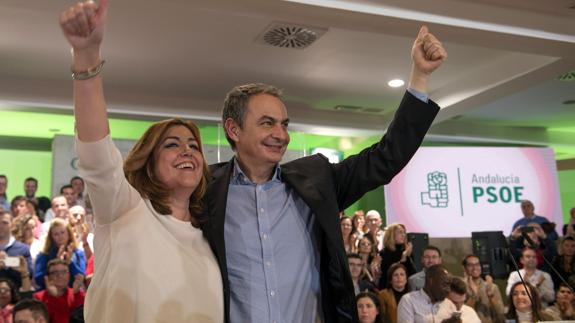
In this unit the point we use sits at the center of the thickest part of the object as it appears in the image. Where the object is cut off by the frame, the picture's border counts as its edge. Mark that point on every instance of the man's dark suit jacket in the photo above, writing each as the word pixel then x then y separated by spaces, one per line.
pixel 328 188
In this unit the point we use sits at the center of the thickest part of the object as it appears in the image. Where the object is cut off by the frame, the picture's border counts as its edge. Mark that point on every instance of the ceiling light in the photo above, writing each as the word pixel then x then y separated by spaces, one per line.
pixel 396 83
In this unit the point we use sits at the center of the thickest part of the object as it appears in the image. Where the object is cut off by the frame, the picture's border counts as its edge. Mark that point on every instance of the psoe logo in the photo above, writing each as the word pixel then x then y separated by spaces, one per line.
pixel 436 196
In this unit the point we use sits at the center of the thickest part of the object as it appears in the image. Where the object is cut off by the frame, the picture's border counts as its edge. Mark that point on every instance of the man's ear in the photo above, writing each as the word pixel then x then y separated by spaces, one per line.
pixel 232 129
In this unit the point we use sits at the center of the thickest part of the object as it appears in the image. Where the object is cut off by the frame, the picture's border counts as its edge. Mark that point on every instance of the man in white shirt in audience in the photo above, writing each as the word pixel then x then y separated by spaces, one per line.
pixel 538 278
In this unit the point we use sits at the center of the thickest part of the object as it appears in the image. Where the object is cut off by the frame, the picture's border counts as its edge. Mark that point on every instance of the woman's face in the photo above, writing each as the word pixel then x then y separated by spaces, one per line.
pixel 399 279
pixel 366 310
pixel 20 208
pixel 359 222
pixel 520 299
pixel 399 235
pixel 178 160
pixel 5 294
pixel 345 224
pixel 365 246
pixel 60 235
pixel 29 228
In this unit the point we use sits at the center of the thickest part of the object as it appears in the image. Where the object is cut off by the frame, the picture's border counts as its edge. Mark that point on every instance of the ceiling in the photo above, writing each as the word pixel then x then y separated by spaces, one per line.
pixel 500 84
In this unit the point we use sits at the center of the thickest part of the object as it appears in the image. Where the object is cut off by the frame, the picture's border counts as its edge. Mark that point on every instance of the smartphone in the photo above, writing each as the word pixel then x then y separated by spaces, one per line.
pixel 12 261
pixel 526 229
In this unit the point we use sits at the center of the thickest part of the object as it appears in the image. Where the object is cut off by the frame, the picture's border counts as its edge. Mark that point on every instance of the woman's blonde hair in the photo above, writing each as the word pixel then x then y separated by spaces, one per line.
pixel 389 237
pixel 139 169
pixel 19 225
pixel 50 241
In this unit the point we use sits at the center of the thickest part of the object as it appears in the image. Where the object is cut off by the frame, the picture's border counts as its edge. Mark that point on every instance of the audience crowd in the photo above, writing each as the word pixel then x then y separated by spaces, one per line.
pixel 46 265
pixel 390 289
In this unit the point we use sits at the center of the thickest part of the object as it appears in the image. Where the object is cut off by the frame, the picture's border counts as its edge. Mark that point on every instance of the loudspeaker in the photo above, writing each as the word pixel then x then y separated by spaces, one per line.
pixel 490 248
pixel 419 241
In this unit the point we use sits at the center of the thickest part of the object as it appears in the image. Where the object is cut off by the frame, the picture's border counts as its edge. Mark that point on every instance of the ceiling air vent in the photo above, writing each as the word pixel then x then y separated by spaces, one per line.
pixel 290 35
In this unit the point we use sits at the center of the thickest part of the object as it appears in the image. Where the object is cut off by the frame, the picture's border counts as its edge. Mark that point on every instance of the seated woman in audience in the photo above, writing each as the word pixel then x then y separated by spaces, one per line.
pixel 348 239
pixel 8 298
pixel 358 222
pixel 22 206
pixel 368 308
pixel 520 308
pixel 396 249
pixel 397 287
pixel 542 245
pixel 24 228
pixel 60 243
pixel 367 250
pixel 564 308
pixel 151 260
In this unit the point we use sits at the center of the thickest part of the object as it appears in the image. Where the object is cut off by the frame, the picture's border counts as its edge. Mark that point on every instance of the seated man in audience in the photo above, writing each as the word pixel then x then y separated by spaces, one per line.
pixel 564 263
pixel 429 304
pixel 373 219
pixel 540 279
pixel 30 310
pixel 458 295
pixel 60 299
pixel 357 269
pixel 60 209
pixel 529 216
pixel 68 192
pixel 81 229
pixel 4 201
pixel 78 185
pixel 482 295
pixel 564 308
pixel 42 203
pixel 431 256
pixel 12 248
pixel 536 239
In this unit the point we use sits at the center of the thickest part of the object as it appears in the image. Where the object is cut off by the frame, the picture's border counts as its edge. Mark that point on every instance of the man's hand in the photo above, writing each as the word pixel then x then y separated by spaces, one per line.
pixel 50 287
pixel 427 54
pixel 78 283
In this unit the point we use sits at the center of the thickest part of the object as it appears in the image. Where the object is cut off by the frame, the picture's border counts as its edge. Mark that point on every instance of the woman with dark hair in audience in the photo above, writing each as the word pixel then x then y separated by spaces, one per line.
pixel 564 308
pixel 61 244
pixel 367 250
pixel 396 249
pixel 520 308
pixel 346 232
pixel 397 287
pixel 8 298
pixel 151 260
pixel 369 308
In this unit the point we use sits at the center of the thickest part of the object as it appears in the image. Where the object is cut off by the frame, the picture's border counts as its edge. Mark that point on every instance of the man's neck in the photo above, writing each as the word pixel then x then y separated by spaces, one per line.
pixel 4 241
pixel 256 173
pixel 530 270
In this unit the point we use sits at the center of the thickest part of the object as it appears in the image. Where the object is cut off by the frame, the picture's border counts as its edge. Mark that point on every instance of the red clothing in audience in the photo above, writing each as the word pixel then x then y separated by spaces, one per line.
pixel 60 307
pixel 90 267
pixel 6 314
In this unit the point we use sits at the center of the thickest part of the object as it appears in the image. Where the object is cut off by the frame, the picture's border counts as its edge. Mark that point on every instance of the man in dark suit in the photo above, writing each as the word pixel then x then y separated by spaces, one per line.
pixel 275 229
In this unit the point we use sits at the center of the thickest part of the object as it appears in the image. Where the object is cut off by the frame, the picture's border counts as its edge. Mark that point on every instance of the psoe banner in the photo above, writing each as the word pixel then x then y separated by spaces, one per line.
pixel 453 191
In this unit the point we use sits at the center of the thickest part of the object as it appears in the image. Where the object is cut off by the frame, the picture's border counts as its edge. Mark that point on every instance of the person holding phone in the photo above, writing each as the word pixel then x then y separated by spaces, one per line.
pixel 10 252
pixel 151 261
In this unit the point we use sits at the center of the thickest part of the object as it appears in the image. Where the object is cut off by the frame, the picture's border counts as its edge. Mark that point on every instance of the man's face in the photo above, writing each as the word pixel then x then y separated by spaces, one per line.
pixel 30 188
pixel 565 295
pixel 70 195
pixel 355 266
pixel 3 185
pixel 60 207
pixel 527 208
pixel 457 299
pixel 430 258
pixel 373 223
pixel 5 225
pixel 473 267
pixel 529 259
pixel 78 186
pixel 60 275
pixel 26 316
pixel 569 248
pixel 263 139
pixel 77 215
